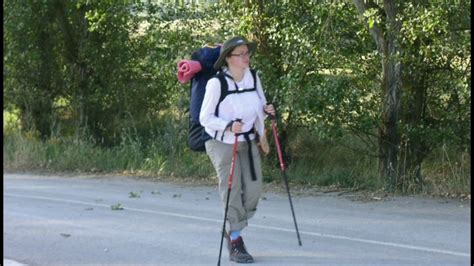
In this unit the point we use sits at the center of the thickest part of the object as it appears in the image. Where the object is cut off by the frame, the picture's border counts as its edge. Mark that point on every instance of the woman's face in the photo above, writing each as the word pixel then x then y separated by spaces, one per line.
pixel 239 57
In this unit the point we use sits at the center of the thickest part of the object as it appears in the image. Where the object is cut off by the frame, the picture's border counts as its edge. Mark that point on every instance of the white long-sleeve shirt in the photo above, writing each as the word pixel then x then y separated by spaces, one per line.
pixel 247 106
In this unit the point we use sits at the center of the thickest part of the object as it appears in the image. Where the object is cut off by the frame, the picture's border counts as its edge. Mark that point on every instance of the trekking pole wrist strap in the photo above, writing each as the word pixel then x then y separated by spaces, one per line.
pixel 270 116
pixel 231 123
pixel 229 126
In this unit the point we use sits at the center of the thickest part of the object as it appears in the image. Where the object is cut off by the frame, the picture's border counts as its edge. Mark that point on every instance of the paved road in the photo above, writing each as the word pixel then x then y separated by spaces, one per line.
pixel 53 220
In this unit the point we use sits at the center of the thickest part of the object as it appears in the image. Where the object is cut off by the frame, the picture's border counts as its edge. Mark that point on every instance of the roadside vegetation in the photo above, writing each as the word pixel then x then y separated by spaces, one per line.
pixel 91 87
pixel 315 163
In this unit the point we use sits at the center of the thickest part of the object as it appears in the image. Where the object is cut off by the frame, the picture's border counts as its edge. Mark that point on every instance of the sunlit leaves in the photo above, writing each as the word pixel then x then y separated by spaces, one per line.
pixel 317 60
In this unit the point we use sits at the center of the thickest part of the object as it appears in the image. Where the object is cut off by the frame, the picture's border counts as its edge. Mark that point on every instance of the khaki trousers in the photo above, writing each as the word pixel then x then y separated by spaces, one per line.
pixel 245 193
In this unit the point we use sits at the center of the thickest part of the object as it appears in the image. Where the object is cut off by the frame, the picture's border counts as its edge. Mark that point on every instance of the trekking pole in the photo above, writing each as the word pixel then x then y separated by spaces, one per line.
pixel 285 178
pixel 231 175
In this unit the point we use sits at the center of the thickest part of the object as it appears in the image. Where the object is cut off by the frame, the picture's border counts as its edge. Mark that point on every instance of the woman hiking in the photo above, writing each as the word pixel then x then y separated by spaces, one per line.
pixel 239 116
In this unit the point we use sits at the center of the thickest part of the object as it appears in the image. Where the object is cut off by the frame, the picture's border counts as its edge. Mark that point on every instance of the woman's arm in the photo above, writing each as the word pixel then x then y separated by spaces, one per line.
pixel 207 116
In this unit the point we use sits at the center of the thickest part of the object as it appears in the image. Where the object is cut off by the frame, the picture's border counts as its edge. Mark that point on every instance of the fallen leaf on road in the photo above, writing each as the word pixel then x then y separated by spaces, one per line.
pixel 133 194
pixel 116 207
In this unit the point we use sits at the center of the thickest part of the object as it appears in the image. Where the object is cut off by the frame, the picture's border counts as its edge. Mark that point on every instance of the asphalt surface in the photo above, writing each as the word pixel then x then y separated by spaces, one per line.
pixel 55 220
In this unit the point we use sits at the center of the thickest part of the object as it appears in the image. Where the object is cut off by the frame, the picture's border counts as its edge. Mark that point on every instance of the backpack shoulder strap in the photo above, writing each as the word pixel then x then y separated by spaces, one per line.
pixel 224 90
pixel 225 87
pixel 254 76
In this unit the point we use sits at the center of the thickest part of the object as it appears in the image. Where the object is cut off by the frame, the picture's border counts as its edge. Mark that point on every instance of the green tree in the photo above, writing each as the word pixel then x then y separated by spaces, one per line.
pixel 398 79
pixel 89 56
pixel 385 29
pixel 31 72
pixel 436 101
pixel 426 105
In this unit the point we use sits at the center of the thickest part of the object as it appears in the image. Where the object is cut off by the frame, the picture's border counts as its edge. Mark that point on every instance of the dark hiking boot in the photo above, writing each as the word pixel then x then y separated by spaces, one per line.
pixel 238 253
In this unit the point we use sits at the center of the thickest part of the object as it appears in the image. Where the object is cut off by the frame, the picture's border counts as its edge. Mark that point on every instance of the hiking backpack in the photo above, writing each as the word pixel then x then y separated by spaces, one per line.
pixel 206 56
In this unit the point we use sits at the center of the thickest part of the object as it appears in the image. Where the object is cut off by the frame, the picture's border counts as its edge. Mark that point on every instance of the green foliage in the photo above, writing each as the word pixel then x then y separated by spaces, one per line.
pixel 86 73
pixel 436 41
pixel 311 66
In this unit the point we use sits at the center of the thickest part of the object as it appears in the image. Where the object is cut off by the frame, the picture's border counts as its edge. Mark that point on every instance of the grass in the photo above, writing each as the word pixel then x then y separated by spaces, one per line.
pixel 447 173
pixel 162 153
pixel 325 163
pixel 312 162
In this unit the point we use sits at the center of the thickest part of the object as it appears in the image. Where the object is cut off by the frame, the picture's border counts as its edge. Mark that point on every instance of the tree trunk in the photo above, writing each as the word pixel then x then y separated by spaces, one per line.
pixel 414 148
pixel 38 111
pixel 72 43
pixel 385 36
pixel 389 139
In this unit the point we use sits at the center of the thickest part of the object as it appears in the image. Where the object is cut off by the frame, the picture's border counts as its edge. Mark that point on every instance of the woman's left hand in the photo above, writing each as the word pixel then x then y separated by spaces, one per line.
pixel 269 109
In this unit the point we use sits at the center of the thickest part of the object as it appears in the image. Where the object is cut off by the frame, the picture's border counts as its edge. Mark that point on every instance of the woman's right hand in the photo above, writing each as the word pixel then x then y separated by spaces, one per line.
pixel 236 127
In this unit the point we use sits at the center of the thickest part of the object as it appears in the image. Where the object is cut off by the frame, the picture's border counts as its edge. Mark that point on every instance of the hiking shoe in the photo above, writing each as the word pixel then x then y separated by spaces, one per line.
pixel 238 253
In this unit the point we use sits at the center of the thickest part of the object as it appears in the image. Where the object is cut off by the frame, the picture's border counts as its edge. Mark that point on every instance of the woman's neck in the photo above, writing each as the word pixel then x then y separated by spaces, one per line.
pixel 237 73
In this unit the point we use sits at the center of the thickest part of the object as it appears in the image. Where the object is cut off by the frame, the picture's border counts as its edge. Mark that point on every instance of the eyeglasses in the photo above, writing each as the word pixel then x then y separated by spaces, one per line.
pixel 242 55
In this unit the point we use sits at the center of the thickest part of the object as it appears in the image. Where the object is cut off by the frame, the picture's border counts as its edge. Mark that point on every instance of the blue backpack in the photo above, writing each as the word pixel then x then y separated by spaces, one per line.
pixel 206 56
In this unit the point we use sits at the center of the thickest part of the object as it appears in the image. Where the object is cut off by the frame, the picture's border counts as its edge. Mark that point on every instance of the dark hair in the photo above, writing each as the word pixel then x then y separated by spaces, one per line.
pixel 228 55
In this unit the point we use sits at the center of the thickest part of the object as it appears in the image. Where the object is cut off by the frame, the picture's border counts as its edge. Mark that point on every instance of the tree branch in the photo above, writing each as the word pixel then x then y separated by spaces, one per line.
pixel 375 31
